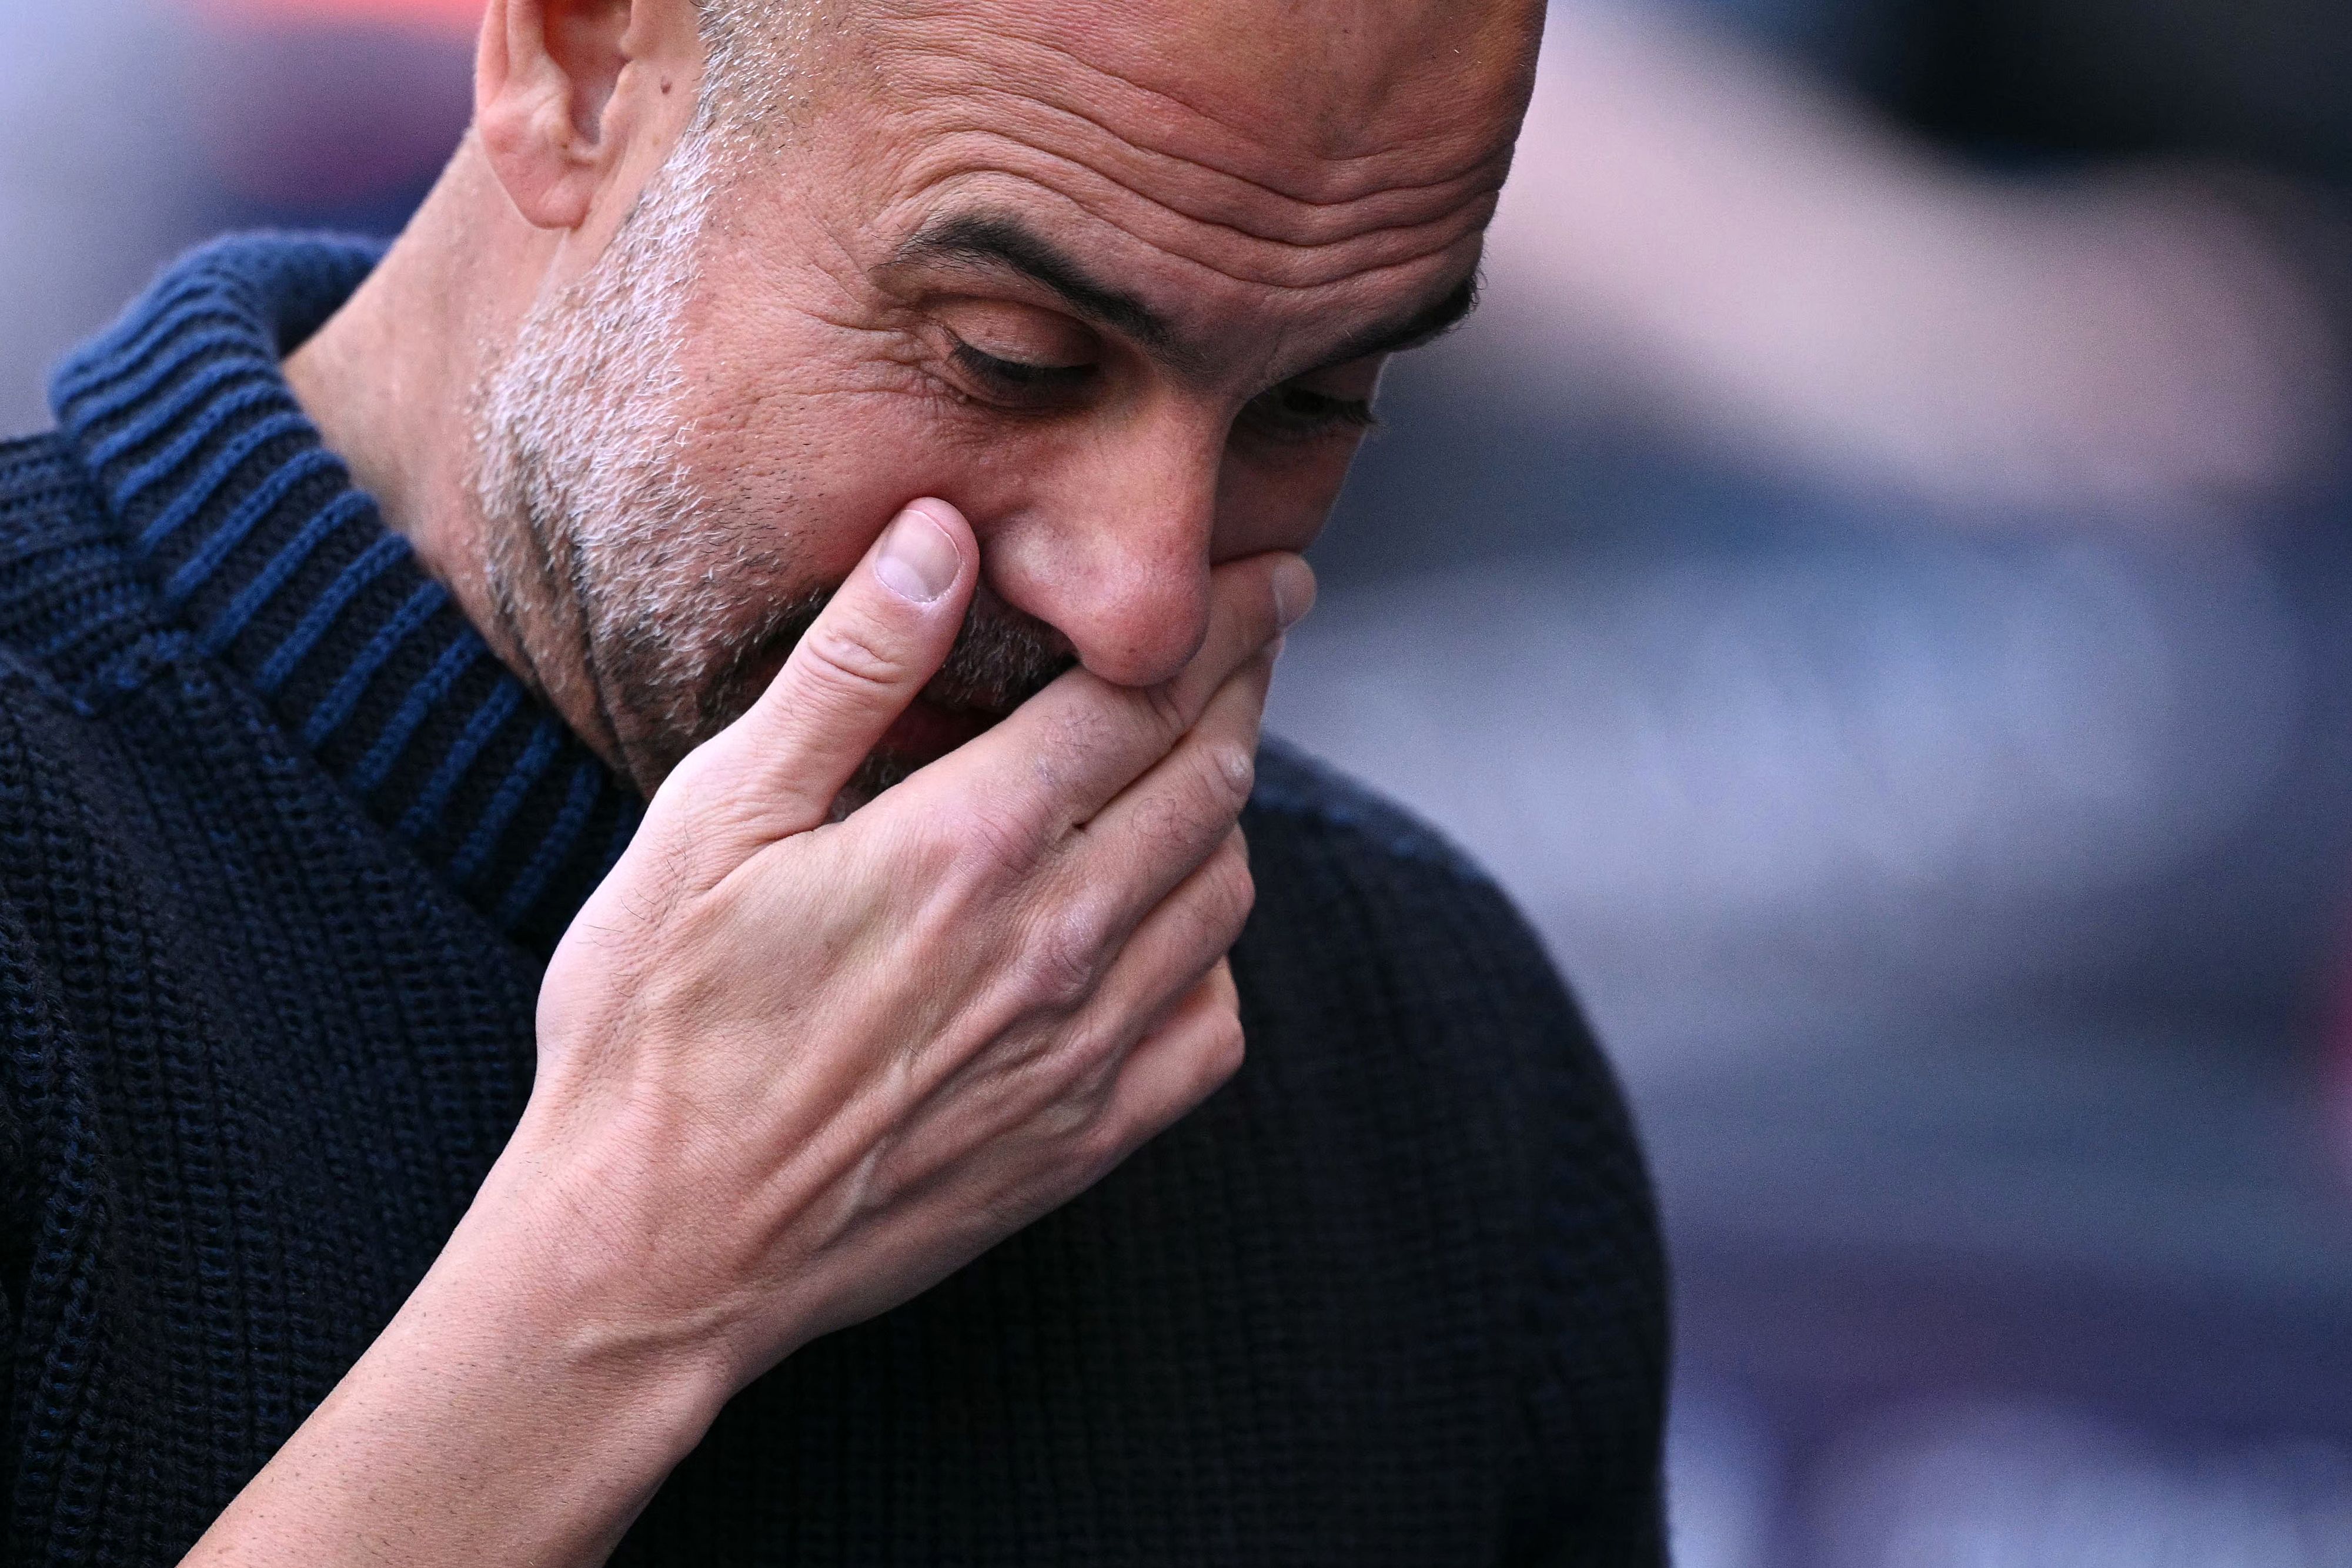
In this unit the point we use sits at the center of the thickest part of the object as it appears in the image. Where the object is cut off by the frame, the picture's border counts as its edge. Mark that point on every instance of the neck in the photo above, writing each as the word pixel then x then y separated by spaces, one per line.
pixel 392 379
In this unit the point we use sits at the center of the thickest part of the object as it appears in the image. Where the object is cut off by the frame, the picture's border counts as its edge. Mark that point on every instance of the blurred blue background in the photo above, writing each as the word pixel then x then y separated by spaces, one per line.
pixel 1873 581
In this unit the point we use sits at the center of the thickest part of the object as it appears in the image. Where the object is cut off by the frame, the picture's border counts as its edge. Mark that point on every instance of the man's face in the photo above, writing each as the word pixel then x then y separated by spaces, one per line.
pixel 1117 282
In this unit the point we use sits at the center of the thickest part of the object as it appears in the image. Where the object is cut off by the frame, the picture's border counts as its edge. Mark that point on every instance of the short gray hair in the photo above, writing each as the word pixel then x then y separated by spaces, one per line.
pixel 737 36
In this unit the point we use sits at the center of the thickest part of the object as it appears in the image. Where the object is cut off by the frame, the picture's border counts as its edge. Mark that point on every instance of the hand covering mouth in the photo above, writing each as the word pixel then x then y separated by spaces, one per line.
pixel 998 664
pixel 930 729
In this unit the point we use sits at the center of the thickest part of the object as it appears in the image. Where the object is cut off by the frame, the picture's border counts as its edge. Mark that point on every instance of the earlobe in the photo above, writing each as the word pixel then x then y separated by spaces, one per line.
pixel 543 84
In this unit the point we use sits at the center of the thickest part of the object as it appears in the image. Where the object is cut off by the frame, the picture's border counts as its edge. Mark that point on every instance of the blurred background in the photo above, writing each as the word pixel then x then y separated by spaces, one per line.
pixel 1875 583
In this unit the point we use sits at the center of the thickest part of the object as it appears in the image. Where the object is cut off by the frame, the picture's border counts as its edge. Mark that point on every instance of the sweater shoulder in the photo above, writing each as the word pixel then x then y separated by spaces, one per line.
pixel 45 498
pixel 1299 793
pixel 1378 944
pixel 76 614
pixel 1417 955
pixel 1347 877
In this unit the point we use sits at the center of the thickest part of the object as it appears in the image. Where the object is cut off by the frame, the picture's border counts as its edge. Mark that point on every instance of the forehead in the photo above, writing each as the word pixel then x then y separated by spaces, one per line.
pixel 1298 150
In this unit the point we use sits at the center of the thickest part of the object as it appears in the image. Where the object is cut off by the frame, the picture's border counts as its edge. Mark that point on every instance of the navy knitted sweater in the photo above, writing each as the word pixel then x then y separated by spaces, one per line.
pixel 283 849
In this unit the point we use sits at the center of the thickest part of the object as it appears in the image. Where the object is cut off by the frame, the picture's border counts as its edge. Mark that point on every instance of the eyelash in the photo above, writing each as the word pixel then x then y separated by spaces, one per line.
pixel 1297 415
pixel 1284 414
pixel 1014 380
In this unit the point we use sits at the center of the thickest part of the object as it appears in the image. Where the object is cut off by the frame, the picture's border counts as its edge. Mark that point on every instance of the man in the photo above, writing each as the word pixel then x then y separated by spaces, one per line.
pixel 881 433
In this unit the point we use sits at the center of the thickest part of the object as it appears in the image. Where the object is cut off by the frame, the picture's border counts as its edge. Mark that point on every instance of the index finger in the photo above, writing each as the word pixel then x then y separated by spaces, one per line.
pixel 1084 739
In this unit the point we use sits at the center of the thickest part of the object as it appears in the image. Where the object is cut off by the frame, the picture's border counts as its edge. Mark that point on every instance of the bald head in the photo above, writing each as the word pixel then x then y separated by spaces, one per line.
pixel 1333 70
pixel 1328 137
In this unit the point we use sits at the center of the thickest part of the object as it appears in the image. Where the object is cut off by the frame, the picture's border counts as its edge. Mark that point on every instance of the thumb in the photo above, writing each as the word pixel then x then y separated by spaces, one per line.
pixel 777 770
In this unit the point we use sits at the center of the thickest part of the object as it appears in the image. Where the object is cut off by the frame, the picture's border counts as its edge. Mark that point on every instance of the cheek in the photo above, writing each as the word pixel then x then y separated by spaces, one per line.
pixel 812 464
pixel 818 459
pixel 804 433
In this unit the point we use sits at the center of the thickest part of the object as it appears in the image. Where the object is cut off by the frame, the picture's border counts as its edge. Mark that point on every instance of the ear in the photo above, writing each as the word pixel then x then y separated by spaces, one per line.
pixel 564 90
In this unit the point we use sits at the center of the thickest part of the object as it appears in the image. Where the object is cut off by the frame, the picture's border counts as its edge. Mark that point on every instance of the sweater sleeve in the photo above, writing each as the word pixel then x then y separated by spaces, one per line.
pixel 1581 1310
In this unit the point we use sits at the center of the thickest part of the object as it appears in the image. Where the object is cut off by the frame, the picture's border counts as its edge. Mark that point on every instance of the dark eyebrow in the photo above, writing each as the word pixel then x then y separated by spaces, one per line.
pixel 1007 242
pixel 986 240
pixel 1431 321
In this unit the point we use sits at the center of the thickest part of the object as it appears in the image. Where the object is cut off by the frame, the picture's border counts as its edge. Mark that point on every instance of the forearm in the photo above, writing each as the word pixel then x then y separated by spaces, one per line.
pixel 495 1420
pixel 792 1072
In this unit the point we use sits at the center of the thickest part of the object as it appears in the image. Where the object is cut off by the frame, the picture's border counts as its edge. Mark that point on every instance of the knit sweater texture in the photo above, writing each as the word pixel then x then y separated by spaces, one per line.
pixel 283 850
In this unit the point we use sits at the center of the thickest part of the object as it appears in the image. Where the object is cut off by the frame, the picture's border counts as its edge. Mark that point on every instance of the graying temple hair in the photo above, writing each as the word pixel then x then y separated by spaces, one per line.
pixel 738 38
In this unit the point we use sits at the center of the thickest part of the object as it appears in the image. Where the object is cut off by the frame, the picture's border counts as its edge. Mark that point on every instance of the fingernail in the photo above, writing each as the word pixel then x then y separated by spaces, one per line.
pixel 918 561
pixel 1294 592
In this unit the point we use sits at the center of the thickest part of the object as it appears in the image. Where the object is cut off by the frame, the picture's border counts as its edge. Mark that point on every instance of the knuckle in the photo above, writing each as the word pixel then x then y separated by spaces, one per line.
pixel 1235 772
pixel 1164 707
pixel 1065 959
pixel 849 655
pixel 1197 807
pixel 1219 789
pixel 1229 893
pixel 1004 841
pixel 1224 1049
pixel 1166 826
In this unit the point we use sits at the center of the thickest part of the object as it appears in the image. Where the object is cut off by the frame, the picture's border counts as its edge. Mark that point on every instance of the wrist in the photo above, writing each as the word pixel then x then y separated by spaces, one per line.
pixel 505 1415
pixel 553 1281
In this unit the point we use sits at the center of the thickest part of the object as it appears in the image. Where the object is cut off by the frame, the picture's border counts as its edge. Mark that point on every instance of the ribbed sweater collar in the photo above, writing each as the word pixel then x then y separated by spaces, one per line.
pixel 282 569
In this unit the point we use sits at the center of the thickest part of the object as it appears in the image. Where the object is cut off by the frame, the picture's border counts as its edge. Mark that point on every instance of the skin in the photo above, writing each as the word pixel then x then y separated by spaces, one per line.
pixel 1267 248
pixel 795 1069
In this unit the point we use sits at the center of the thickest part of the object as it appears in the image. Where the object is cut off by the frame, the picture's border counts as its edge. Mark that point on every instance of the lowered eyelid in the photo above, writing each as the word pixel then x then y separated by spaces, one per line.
pixel 986 358
pixel 1019 334
pixel 979 361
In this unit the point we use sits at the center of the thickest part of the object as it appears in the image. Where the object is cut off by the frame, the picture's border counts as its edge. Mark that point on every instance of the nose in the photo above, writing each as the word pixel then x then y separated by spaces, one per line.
pixel 1110 544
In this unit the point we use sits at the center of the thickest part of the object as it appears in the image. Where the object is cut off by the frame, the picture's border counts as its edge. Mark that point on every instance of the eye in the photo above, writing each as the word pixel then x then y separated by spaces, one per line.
pixel 1298 414
pixel 1019 382
pixel 1014 356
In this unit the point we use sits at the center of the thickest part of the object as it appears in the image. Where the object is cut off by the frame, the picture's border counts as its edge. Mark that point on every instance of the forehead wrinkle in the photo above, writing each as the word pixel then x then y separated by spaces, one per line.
pixel 1322 83
pixel 1260 260
pixel 1231 182
pixel 1240 142
pixel 1315 220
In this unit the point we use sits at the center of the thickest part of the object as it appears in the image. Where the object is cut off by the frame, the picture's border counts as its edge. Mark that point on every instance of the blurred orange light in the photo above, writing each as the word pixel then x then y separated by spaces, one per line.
pixel 441 14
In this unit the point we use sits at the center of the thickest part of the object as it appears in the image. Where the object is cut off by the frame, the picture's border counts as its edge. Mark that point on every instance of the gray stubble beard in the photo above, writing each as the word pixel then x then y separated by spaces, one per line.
pixel 613 578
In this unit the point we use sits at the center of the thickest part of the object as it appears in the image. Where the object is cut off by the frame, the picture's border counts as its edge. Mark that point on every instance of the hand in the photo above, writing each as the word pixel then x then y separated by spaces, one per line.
pixel 792 1072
